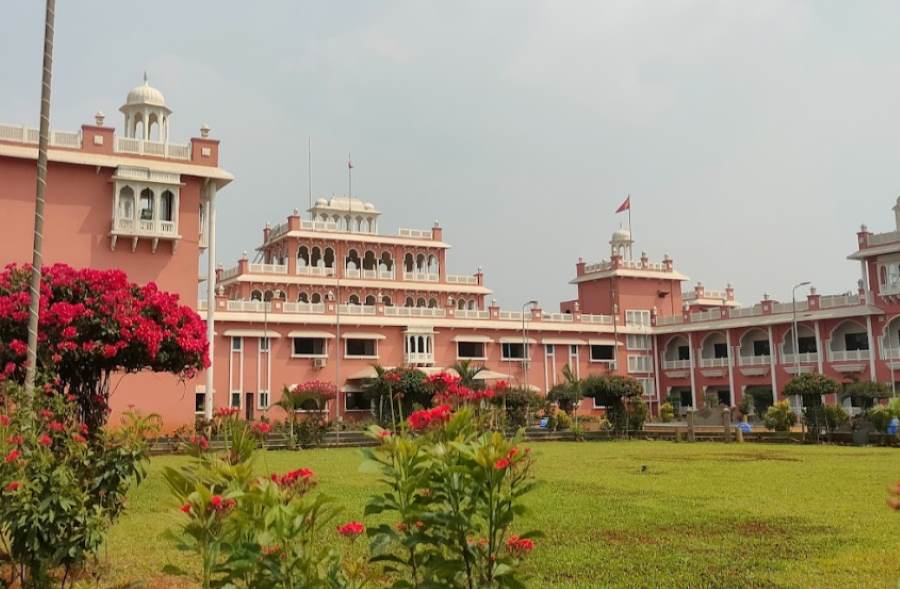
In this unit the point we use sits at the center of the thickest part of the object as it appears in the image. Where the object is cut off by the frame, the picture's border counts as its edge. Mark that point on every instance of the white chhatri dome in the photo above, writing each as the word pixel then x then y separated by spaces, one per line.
pixel 621 236
pixel 145 94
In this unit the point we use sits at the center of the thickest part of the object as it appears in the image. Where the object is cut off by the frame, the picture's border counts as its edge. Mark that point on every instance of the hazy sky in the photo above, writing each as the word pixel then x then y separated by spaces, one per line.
pixel 754 137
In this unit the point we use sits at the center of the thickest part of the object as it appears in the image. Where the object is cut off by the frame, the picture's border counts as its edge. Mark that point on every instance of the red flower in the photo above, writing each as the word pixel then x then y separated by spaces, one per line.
pixel 216 501
pixel 425 418
pixel 15 440
pixel 186 508
pixel 502 464
pixel 385 433
pixel 79 438
pixel 519 546
pixel 46 413
pixel 56 426
pixel 12 456
pixel 351 529
pixel 200 441
pixel 12 486
pixel 45 440
pixel 302 475
pixel 4 420
pixel 513 452
pixel 221 505
pixel 262 428
pixel 401 527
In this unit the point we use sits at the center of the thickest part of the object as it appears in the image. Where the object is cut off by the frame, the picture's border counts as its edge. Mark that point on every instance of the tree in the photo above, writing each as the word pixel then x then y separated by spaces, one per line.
pixel 93 324
pixel 468 372
pixel 811 388
pixel 617 394
pixel 780 417
pixel 865 393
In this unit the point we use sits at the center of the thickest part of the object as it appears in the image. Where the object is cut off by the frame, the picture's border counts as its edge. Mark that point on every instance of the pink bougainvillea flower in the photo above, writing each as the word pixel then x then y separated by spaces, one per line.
pixel 502 464
pixel 12 456
pixel 351 529
pixel 56 426
pixel 12 486
pixel 79 438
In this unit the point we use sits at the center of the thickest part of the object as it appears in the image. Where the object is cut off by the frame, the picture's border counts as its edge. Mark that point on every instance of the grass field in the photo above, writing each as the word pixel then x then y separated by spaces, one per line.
pixel 702 515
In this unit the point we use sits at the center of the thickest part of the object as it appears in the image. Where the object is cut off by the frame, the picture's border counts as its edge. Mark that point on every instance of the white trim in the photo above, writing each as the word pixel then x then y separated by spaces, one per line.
pixel 363 335
pixel 517 340
pixel 311 334
pixel 251 333
pixel 473 339
pixel 563 341
pixel 606 341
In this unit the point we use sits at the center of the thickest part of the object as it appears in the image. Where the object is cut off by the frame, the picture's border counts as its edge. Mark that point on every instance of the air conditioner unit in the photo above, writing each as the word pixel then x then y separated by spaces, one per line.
pixel 320 362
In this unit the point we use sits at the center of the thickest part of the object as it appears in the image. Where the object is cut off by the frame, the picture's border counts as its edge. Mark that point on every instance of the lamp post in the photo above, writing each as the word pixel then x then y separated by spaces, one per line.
pixel 531 303
pixel 796 336
pixel 337 350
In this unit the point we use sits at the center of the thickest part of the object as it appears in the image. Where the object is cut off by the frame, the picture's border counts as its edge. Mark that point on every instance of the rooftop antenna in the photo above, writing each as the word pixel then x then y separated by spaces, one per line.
pixel 309 167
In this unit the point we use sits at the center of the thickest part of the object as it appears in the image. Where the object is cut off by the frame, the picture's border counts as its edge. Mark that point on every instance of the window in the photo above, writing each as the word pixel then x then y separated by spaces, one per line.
pixel 602 353
pixel 648 385
pixel 235 399
pixel 361 348
pixel 307 347
pixel 720 350
pixel 637 317
pixel 513 351
pixel 126 203
pixel 199 402
pixel 856 341
pixel 573 350
pixel 236 344
pixel 551 350
pixel 640 363
pixel 356 401
pixel 167 206
pixel 470 350
pixel 263 399
pixel 761 347
pixel 637 342
pixel 807 345
pixel 146 204
pixel 264 344
pixel 684 353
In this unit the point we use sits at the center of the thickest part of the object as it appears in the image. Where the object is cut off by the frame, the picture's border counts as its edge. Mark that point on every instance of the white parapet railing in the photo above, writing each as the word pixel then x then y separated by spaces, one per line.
pixel 669 320
pixel 789 307
pixel 601 319
pixel 512 316
pixel 308 225
pixel 415 233
pixel 674 364
pixel 242 306
pixel 420 276
pixel 155 148
pixel 461 279
pixel 352 273
pixel 356 309
pixel 22 134
pixel 268 268
pixel 230 272
pixel 714 362
pixel 202 305
pixel 315 270
pixel 419 358
pixel 301 307
pixel 890 353
pixel 145 227
pixel 847 355
pixel 746 312
pixel 605 265
pixel 472 314
pixel 709 315
pixel 559 317
pixel 386 274
pixel 882 238
pixel 844 300
pixel 414 312
pixel 277 230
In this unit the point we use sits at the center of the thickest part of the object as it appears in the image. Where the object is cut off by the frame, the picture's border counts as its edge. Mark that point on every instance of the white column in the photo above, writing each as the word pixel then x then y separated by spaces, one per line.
pixel 210 291
pixel 772 366
pixel 871 337
pixel 693 368
pixel 730 365
pixel 657 362
pixel 820 351
pixel 865 274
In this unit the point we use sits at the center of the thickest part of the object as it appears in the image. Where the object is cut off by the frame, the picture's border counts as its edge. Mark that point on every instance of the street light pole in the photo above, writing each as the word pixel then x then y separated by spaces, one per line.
pixel 796 337
pixel 525 342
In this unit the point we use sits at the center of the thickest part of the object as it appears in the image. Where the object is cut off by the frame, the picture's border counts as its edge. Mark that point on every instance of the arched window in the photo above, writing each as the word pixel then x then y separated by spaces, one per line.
pixel 353 300
pixel 472 306
pixel 256 295
pixel 268 296
pixel 368 262
pixel 461 304
pixel 432 264
pixel 386 262
pixel 386 301
pixel 329 257
pixel 420 263
pixel 303 256
pixel 420 302
pixel 167 206
pixel 408 263
pixel 421 347
pixel 432 303
pixel 882 273
pixel 303 297
pixel 315 298
pixel 370 300
pixel 352 261
pixel 126 203
pixel 146 204
pixel 409 302
pixel 359 223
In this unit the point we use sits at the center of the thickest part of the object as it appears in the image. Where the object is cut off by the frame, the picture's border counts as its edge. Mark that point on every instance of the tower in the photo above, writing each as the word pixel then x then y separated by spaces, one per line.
pixel 146 114
pixel 620 244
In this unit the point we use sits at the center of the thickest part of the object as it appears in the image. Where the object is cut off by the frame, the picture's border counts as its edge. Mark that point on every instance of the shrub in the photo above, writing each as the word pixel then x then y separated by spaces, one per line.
pixel 835 417
pixel 616 393
pixel 452 493
pixel 94 323
pixel 666 412
pixel 746 405
pixel 780 417
pixel 762 399
pixel 61 488
pixel 865 393
pixel 518 404
pixel 566 396
pixel 880 416
pixel 563 421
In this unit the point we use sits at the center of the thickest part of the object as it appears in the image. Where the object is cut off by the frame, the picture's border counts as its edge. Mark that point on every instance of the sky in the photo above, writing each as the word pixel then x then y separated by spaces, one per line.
pixel 753 137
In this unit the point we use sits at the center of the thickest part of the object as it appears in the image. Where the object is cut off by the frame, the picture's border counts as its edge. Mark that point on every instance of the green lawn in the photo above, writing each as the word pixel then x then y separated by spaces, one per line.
pixel 702 515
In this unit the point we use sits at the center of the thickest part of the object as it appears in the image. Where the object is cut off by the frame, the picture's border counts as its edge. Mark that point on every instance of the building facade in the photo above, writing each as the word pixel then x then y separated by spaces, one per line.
pixel 327 294
pixel 131 200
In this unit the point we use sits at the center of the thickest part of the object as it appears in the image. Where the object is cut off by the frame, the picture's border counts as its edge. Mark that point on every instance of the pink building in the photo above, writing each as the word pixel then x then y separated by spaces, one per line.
pixel 327 295
pixel 132 200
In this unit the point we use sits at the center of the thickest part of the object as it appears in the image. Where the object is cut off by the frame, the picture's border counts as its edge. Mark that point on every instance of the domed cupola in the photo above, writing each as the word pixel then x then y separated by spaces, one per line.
pixel 146 114
pixel 620 243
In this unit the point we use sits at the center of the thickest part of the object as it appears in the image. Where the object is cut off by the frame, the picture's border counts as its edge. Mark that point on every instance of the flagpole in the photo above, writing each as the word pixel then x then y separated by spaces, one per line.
pixel 630 234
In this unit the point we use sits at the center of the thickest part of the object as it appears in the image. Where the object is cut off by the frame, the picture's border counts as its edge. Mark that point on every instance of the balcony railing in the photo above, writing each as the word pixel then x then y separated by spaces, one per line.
pixel 710 315
pixel 315 270
pixel 415 233
pixel 268 268
pixel 352 273
pixel 847 355
pixel 248 306
pixel 675 364
pixel 882 238
pixel 670 320
pixel 472 314
pixel 420 276
pixel 414 312
pixel 419 358
pixel 890 353
pixel 357 309
pixel 145 227
pixel 300 307
pixel 762 360
pixel 803 358
pixel 155 148
pixel 714 362
pixel 74 140
pixel 307 225
pixel 461 279
pixel 562 317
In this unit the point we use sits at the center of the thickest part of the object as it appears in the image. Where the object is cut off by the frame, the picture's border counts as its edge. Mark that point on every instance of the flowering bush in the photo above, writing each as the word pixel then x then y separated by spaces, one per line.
pixel 250 531
pixel 60 493
pixel 311 398
pixel 454 491
pixel 93 323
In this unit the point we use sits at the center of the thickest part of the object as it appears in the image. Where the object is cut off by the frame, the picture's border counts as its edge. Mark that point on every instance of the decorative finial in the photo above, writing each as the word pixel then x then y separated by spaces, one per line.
pixel 99 117
pixel 146 79
pixel 204 130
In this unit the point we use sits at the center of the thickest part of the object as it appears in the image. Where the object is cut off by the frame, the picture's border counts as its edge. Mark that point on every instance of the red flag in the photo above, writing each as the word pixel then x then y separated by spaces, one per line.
pixel 349 164
pixel 625 206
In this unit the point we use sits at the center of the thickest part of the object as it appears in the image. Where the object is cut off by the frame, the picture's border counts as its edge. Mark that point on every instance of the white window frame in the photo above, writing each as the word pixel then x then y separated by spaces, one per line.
pixel 259 400
pixel 640 363
pixel 637 317
pixel 265 344
pixel 526 353
pixel 202 410
pixel 348 410
pixel 365 357
pixel 240 343
pixel 324 353
pixel 638 341
pixel 484 355
pixel 240 398
pixel 648 384
pixel 601 360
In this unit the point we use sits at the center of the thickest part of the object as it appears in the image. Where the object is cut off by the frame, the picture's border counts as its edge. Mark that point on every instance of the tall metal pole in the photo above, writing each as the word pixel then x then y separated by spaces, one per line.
pixel 796 339
pixel 210 296
pixel 36 255
pixel 525 343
